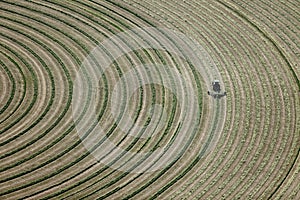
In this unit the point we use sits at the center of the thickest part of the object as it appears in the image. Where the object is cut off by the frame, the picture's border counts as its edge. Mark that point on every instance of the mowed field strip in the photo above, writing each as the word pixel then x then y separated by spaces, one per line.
pixel 56 95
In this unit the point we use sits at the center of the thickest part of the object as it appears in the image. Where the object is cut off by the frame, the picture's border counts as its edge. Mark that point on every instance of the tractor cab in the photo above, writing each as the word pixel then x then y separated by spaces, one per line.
pixel 216 87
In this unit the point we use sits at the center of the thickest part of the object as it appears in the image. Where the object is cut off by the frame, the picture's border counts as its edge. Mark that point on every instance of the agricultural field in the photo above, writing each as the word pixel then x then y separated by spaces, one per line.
pixel 111 99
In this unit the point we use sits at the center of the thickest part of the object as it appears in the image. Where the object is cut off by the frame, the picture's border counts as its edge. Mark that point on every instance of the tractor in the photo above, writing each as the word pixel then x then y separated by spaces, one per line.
pixel 216 93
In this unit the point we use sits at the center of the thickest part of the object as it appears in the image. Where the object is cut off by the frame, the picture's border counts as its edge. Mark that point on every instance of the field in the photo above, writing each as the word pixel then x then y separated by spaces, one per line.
pixel 109 99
